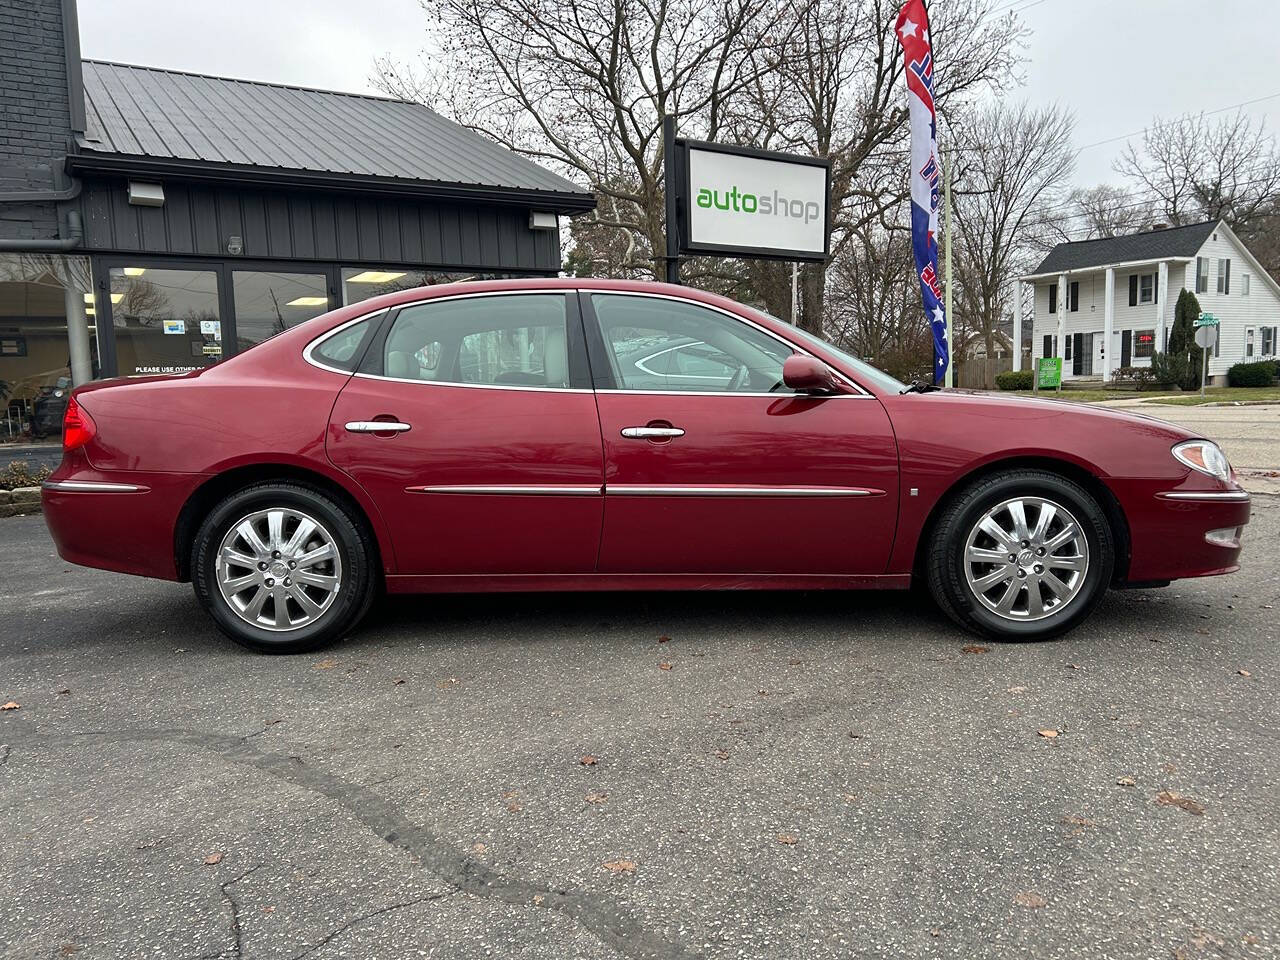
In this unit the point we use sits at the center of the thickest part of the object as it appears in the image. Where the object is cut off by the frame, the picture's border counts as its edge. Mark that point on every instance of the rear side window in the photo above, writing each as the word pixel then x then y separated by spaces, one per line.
pixel 342 349
pixel 500 340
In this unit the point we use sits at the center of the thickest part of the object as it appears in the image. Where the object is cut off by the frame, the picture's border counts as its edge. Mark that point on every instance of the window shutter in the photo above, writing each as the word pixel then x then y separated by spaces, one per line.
pixel 1155 288
pixel 1133 289
pixel 1048 345
pixel 1053 300
pixel 1200 284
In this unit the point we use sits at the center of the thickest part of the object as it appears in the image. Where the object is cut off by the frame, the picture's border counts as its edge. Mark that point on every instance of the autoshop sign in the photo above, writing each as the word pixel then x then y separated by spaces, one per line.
pixel 741 202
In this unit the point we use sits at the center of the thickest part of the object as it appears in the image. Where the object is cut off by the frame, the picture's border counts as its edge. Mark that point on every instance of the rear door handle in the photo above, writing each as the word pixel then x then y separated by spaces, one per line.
pixel 651 433
pixel 377 426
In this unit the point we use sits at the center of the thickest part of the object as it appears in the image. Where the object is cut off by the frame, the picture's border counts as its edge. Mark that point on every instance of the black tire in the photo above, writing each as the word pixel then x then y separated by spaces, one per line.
pixel 355 548
pixel 945 561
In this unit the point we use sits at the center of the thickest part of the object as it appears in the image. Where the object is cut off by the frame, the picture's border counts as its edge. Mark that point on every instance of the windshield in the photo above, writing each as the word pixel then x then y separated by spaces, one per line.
pixel 864 370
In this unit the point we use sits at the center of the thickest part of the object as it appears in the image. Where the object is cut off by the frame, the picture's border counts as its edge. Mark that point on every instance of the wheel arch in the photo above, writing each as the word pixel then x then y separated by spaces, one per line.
pixel 218 486
pixel 1064 468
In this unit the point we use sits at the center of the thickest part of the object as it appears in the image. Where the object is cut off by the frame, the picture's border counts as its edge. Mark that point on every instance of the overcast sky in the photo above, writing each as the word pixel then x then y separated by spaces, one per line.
pixel 1115 63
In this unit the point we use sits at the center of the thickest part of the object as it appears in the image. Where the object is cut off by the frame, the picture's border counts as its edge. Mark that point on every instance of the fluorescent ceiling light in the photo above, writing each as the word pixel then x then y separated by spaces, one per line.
pixel 90 312
pixel 88 298
pixel 308 302
pixel 375 276
pixel 134 271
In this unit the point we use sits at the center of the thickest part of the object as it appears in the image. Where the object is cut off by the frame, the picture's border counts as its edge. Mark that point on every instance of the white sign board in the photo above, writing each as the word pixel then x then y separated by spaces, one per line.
pixel 749 203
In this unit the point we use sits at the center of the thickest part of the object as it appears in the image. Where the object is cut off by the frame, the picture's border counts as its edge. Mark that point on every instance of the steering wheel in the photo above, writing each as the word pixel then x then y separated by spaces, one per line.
pixel 739 379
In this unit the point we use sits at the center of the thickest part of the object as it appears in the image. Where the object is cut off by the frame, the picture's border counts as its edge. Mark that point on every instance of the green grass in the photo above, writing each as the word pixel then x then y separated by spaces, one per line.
pixel 1170 397
pixel 1089 396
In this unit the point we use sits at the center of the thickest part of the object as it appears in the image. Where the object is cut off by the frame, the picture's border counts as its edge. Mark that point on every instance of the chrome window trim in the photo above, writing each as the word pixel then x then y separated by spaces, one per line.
pixel 93 486
pixel 1209 495
pixel 477 386
pixel 732 316
pixel 530 489
pixel 735 490
pixel 309 349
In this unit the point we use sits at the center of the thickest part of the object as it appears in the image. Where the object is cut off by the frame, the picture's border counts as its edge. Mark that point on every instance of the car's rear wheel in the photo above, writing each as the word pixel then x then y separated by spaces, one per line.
pixel 1023 555
pixel 283 567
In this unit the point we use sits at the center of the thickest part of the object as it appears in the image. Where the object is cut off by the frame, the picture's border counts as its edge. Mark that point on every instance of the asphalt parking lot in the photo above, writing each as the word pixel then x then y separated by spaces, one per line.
pixel 813 776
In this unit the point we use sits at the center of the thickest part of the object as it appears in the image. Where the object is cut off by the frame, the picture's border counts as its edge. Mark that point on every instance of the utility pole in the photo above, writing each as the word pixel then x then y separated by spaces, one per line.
pixel 670 178
pixel 795 294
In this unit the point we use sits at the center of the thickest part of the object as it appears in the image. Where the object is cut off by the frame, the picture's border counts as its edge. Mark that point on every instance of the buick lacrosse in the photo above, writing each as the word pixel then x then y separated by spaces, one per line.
pixel 604 435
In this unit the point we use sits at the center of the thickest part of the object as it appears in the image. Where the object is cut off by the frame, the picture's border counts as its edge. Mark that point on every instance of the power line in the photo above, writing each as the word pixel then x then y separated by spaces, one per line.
pixel 1203 113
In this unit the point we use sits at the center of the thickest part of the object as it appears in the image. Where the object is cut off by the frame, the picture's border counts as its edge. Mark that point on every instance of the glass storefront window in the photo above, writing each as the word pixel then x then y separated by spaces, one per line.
pixel 36 292
pixel 165 321
pixel 361 283
pixel 270 302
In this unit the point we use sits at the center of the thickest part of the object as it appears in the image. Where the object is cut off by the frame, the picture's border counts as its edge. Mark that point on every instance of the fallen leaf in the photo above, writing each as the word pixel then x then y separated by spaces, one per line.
pixel 1171 799
pixel 324 665
pixel 795 663
pixel 722 754
pixel 1126 782
pixel 397 682
pixel 1030 899
pixel 539 899
pixel 1244 673
pixel 853 735
pixel 1078 821
pixel 1050 734
pixel 1169 768
pixel 787 838
pixel 620 866
pixel 514 806
pixel 664 639
pixel 11 706
pixel 597 797
pixel 69 948
pixel 213 859
pixel 63 693
pixel 974 648
pixel 1016 690
pixel 935 932
pixel 510 795
pixel 664 666
pixel 270 909
pixel 588 761
pixel 1074 666
pixel 478 848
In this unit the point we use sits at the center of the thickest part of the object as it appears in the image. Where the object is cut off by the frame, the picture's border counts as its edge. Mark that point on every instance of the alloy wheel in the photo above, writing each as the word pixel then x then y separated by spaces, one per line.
pixel 279 569
pixel 1026 559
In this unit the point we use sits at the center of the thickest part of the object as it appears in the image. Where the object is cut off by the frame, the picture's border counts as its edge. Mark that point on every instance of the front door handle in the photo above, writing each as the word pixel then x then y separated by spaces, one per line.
pixel 377 426
pixel 651 433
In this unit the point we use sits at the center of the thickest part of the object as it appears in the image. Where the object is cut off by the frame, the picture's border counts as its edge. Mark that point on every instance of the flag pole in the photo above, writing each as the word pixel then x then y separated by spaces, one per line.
pixel 949 380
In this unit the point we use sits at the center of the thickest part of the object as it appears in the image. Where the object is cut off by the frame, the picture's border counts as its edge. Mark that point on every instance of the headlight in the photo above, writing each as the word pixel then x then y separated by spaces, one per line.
pixel 1205 457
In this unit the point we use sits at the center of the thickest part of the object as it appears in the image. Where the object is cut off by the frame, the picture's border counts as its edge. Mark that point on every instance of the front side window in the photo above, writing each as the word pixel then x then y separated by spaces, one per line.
pixel 518 340
pixel 1144 343
pixel 668 345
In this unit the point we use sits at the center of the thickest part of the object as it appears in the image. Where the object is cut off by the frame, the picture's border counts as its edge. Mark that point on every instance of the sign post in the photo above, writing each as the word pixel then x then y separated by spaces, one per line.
pixel 1049 374
pixel 1206 336
pixel 671 180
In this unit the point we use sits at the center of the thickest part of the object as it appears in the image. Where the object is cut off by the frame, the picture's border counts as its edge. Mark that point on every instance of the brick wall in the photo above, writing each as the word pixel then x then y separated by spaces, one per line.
pixel 35 113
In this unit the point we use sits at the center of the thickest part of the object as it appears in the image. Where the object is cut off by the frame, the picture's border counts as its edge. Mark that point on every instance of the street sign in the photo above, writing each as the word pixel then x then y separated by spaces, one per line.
pixel 1206 336
pixel 1206 320
pixel 1049 373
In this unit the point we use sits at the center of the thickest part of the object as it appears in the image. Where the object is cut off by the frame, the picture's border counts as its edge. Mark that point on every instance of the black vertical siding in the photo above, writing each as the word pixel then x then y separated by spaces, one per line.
pixel 198 220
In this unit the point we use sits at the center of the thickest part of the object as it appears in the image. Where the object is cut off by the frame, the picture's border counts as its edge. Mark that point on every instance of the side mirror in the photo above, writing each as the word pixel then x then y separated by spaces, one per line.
pixel 809 375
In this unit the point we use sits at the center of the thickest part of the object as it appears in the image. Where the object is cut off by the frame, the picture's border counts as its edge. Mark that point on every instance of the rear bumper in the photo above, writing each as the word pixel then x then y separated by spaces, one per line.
pixel 120 521
pixel 1184 531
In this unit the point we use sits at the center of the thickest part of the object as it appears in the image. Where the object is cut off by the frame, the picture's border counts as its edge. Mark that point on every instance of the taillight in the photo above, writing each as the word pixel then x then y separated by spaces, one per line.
pixel 78 427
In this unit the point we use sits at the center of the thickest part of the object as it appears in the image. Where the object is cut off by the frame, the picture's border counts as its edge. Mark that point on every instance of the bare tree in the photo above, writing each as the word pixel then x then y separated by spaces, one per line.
pixel 1016 164
pixel 1102 211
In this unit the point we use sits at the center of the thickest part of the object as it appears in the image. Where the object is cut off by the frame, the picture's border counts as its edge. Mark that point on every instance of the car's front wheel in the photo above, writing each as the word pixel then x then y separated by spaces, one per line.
pixel 283 567
pixel 1023 555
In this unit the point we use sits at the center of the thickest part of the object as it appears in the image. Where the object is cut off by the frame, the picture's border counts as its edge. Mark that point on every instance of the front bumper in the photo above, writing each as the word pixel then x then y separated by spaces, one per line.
pixel 1180 531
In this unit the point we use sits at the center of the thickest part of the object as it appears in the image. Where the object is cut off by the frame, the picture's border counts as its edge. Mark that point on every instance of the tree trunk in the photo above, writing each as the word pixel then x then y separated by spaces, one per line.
pixel 813 288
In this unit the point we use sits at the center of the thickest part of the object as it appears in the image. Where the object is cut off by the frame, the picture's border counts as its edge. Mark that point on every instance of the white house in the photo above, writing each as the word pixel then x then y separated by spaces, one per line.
pixel 1106 304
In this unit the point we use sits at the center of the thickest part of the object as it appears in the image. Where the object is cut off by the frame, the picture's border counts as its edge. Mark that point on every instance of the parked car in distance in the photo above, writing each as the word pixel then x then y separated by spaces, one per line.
pixel 552 434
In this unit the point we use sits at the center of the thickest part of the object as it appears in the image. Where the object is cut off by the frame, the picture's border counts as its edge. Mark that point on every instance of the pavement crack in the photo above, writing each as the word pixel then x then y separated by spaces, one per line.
pixel 604 917
pixel 361 919
pixel 236 932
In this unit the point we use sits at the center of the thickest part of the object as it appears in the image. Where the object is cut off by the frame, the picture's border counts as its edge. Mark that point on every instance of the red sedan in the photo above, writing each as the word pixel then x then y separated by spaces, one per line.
pixel 599 435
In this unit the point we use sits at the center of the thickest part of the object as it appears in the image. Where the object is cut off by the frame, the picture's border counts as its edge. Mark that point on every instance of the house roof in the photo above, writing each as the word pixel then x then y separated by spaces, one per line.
pixel 1134 248
pixel 168 117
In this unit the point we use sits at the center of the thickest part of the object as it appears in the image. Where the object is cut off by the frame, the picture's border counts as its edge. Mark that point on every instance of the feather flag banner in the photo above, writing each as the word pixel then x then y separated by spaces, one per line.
pixel 926 172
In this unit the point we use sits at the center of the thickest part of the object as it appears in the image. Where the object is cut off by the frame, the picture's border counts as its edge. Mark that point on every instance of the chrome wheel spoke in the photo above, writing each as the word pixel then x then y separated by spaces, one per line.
pixel 262 559
pixel 1010 555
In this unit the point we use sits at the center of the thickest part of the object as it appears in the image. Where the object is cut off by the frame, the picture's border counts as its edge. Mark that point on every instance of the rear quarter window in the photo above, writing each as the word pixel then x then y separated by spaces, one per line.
pixel 342 349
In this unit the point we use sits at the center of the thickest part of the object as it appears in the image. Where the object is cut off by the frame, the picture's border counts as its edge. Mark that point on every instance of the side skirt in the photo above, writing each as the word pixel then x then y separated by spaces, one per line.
pixel 535 583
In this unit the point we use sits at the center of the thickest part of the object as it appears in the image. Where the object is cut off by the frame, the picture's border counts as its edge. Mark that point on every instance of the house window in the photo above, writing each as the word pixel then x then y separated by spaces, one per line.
pixel 1202 274
pixel 1224 276
pixel 1248 342
pixel 1144 343
pixel 1048 345
pixel 1073 296
pixel 1067 349
pixel 1268 341
pixel 1147 288
pixel 1244 284
pixel 1053 299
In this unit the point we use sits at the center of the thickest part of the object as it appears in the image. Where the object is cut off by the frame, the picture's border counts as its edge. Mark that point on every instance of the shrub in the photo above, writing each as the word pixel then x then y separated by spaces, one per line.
pixel 18 474
pixel 1170 370
pixel 1015 380
pixel 1258 374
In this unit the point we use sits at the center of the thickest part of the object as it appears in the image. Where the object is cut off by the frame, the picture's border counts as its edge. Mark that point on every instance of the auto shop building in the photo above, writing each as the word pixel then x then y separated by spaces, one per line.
pixel 154 221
